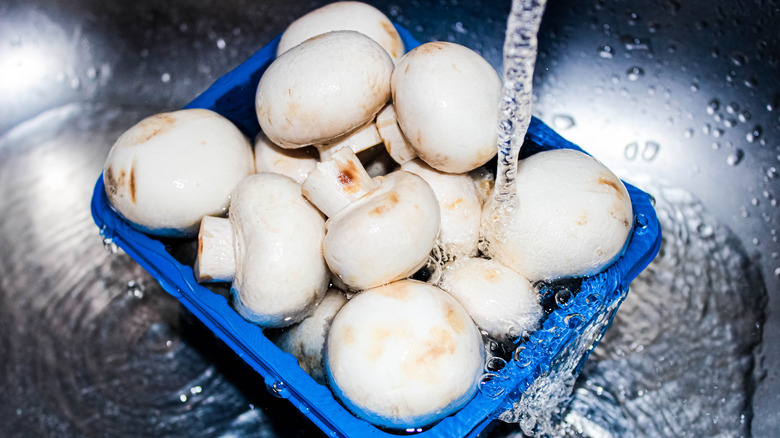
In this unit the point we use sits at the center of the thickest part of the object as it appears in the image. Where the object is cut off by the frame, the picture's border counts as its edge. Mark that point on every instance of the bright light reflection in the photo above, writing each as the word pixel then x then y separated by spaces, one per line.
pixel 22 68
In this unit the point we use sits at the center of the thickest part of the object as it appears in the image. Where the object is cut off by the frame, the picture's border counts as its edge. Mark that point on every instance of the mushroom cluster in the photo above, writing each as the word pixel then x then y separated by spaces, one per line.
pixel 370 166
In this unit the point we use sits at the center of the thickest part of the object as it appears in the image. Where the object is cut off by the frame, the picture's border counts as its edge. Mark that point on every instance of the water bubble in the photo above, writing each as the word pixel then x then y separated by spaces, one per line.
pixel 717 132
pixel 729 122
pixel 630 152
pixel 754 201
pixel 75 84
pixel 771 173
pixel 494 364
pixel 650 151
pixel 705 230
pixel 183 398
pixel 706 129
pixel 750 82
pixel 221 44
pixel 735 157
pixel 688 133
pixel 694 88
pixel 606 51
pixel 489 385
pixel 563 121
pixel 732 108
pixel 277 389
pixel 593 298
pixel 183 27
pixel 744 116
pixel 634 73
pixel 165 78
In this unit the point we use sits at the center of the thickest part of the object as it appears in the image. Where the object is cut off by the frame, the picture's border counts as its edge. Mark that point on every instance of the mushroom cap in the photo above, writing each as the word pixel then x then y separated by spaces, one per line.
pixel 277 235
pixel 295 163
pixel 446 99
pixel 384 236
pixel 323 88
pixel 306 340
pixel 572 219
pixel 170 169
pixel 404 355
pixel 346 15
pixel 459 205
pixel 500 301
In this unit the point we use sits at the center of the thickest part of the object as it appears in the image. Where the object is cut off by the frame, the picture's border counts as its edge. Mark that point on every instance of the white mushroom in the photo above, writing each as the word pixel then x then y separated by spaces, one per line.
pixel 306 340
pixel 460 209
pixel 345 15
pixel 572 217
pixel 501 302
pixel 295 163
pixel 171 169
pixel 446 100
pixel 404 355
pixel 280 273
pixel 323 89
pixel 378 237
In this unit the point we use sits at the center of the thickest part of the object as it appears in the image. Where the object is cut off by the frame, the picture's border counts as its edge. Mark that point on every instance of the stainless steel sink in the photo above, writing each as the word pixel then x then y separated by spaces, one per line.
pixel 679 98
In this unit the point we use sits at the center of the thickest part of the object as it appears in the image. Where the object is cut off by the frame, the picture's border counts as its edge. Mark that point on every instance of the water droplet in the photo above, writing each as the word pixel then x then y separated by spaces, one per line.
pixel 606 51
pixel 183 398
pixel 754 201
pixel 109 245
pixel 494 364
pixel 135 290
pixel 738 58
pixel 771 173
pixel 744 116
pixel 75 84
pixel 705 230
pixel 634 73
pixel 777 272
pixel 650 151
pixel 754 134
pixel 563 298
pixel 91 73
pixel 729 123
pixel 221 44
pixel 635 44
pixel 713 106
pixel 563 121
pixel 183 27
pixel 732 108
pixel 694 88
pixel 489 385
pixel 166 77
pixel 573 321
pixel 706 129
pixel 688 133
pixel 735 157
pixel 196 390
pixel 750 82
pixel 717 132
pixel 630 152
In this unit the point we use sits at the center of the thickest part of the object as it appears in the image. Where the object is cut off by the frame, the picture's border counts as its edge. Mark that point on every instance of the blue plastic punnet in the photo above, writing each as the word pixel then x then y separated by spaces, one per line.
pixel 564 330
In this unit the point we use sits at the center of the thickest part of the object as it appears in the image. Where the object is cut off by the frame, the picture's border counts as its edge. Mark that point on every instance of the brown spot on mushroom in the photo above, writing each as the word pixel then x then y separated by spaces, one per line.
pixel 377 336
pixel 395 47
pixel 396 291
pixel 491 275
pixel 388 202
pixel 454 204
pixel 626 223
pixel 453 318
pixel 455 67
pixel 583 219
pixel 131 184
pixel 348 177
pixel 153 126
pixel 110 182
pixel 348 335
pixel 611 183
pixel 406 70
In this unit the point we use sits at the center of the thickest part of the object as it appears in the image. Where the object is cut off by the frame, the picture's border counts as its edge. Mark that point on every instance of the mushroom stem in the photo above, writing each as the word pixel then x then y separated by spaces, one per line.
pixel 216 261
pixel 395 142
pixel 336 182
pixel 357 140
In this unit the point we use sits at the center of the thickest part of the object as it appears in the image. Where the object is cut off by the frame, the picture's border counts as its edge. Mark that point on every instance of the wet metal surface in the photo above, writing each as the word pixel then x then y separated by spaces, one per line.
pixel 680 98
